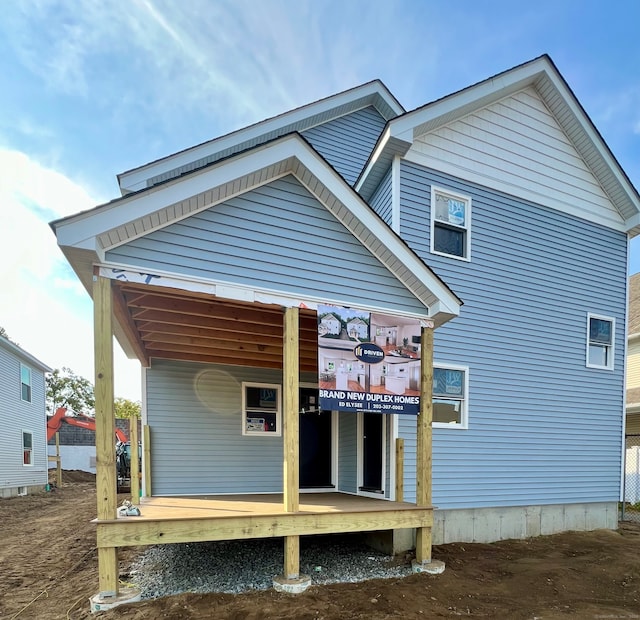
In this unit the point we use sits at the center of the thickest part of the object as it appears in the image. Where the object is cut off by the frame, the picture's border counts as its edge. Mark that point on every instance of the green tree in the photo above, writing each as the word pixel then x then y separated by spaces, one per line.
pixel 67 389
pixel 125 408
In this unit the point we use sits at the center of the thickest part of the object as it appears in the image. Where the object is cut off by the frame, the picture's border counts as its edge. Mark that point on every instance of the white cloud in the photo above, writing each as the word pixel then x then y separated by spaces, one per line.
pixel 43 307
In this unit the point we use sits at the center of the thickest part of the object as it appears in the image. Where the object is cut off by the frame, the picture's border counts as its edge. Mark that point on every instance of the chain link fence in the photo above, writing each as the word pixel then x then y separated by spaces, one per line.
pixel 631 506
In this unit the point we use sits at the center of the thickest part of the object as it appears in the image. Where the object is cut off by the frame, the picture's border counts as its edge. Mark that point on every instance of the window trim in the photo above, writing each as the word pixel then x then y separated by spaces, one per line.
pixel 611 354
pixel 467 228
pixel 22 434
pixel 464 417
pixel 29 385
pixel 274 386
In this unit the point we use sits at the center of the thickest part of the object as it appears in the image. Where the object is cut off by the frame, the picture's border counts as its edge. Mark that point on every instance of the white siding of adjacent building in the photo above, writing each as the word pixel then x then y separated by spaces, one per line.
pixel 19 416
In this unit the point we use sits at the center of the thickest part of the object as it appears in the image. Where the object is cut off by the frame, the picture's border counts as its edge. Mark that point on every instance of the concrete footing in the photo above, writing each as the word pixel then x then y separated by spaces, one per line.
pixel 125 595
pixel 291 586
pixel 435 567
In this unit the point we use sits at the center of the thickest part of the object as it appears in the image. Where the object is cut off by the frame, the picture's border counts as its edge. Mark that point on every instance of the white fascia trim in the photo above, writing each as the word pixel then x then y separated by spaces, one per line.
pixel 136 178
pixel 495 88
pixel 480 94
pixel 82 230
pixel 596 139
pixel 503 185
pixel 395 195
pixel 24 355
pixel 362 211
pixel 373 160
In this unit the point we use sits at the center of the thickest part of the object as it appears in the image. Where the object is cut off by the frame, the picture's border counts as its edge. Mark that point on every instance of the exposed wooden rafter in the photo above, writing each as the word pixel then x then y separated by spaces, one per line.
pixel 172 324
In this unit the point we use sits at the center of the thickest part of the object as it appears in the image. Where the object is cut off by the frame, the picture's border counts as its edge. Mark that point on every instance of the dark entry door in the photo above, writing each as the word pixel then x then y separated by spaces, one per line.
pixel 372 452
pixel 315 442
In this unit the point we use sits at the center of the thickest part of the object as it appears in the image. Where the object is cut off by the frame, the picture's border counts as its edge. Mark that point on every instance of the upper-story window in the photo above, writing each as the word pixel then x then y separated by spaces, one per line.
pixel 25 383
pixel 600 341
pixel 450 224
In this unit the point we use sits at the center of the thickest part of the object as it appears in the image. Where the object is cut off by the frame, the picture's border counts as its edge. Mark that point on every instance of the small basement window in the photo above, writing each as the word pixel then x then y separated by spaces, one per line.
pixel 27 448
pixel 450 224
pixel 261 409
pixel 25 383
pixel 450 396
pixel 600 341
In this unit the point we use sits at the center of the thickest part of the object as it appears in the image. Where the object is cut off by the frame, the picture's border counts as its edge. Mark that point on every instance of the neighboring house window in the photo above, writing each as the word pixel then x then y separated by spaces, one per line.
pixel 27 448
pixel 600 339
pixel 450 396
pixel 25 383
pixel 450 224
pixel 261 409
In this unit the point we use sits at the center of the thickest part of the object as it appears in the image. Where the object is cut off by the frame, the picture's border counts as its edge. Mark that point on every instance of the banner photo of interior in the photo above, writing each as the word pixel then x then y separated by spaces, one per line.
pixel 368 361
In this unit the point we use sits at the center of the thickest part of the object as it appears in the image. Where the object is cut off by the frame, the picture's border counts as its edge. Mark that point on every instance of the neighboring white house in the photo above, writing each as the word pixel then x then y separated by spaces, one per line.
pixel 23 441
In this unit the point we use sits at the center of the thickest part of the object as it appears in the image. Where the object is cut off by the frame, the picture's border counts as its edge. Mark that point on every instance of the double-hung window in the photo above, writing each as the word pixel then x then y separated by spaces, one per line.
pixel 25 383
pixel 600 341
pixel 450 395
pixel 450 224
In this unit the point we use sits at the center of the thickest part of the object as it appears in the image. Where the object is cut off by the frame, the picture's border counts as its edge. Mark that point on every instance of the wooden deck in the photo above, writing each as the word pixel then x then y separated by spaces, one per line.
pixel 203 518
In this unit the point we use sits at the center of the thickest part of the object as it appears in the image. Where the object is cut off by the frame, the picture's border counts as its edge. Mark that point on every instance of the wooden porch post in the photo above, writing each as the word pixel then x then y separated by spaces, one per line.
pixel 134 469
pixel 105 431
pixel 290 430
pixel 424 433
pixel 291 580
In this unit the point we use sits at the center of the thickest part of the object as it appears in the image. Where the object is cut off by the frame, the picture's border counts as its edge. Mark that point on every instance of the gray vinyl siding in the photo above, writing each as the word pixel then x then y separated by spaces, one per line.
pixel 194 414
pixel 19 416
pixel 381 200
pixel 346 142
pixel 276 237
pixel 348 451
pixel 543 428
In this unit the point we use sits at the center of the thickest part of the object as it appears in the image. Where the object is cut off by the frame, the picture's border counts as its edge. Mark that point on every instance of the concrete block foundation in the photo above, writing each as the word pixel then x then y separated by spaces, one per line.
pixel 485 525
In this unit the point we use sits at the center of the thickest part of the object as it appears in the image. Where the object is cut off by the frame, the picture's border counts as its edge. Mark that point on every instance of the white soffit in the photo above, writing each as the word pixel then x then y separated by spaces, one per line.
pixel 130 217
pixel 542 74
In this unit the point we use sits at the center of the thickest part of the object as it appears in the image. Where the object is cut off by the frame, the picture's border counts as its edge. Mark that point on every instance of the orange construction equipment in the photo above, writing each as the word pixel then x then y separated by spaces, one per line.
pixel 83 421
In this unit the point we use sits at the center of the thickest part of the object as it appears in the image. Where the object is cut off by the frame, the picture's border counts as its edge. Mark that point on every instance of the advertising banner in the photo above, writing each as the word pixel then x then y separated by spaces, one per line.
pixel 368 361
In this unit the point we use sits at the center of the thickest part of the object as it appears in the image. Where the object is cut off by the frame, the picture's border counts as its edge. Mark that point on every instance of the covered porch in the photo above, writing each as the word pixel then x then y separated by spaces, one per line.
pixel 164 320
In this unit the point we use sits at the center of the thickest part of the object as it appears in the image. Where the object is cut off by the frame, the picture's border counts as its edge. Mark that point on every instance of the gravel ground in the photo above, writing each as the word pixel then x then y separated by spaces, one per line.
pixel 239 566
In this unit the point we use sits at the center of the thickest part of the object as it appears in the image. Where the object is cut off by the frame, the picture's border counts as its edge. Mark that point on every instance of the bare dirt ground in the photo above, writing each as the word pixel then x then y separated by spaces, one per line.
pixel 48 569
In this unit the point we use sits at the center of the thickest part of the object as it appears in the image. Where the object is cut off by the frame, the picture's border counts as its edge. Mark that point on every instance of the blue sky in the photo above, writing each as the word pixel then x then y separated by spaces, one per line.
pixel 92 88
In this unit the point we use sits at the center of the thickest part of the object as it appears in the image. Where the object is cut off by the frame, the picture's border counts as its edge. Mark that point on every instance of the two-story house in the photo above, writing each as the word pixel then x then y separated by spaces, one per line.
pixel 484 236
pixel 23 440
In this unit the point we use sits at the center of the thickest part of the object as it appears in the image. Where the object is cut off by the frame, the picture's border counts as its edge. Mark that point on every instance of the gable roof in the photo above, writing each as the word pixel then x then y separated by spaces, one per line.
pixel 86 237
pixel 21 353
pixel 373 93
pixel 543 75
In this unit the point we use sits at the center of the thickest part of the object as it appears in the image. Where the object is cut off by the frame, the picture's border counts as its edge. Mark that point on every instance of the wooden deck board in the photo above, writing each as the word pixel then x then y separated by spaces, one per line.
pixel 202 518
pixel 217 506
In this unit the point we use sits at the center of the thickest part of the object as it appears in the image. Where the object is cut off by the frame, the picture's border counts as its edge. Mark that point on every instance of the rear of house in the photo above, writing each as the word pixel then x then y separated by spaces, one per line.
pixel 23 440
pixel 376 224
